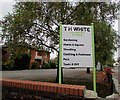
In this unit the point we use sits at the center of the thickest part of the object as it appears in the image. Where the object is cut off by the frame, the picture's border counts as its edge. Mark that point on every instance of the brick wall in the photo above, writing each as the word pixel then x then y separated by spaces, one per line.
pixel 33 53
pixel 45 56
pixel 59 89
pixel 5 55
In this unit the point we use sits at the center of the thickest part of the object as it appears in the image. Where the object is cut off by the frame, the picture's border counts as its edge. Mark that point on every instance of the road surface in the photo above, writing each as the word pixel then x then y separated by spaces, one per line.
pixel 48 75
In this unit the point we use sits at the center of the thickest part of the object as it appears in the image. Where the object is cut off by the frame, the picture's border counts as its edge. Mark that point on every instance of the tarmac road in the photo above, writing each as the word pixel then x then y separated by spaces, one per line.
pixel 47 75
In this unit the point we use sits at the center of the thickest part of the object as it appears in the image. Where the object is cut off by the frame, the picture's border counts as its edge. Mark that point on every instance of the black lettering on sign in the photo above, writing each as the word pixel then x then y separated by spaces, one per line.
pixel 65 28
pixel 81 29
pixel 70 49
pixel 88 29
pixel 66 59
pixel 79 44
pixel 67 64
pixel 69 28
pixel 76 28
pixel 76 64
pixel 67 44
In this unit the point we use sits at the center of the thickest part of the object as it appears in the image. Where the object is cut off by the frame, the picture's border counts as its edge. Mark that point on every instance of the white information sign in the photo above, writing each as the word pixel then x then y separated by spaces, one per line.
pixel 76 46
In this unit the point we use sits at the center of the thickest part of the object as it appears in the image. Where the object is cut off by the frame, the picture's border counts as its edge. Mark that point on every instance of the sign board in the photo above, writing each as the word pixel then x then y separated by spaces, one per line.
pixel 77 46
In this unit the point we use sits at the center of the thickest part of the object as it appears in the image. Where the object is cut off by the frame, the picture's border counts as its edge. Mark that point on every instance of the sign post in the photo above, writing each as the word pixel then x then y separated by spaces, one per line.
pixel 93 53
pixel 60 53
pixel 77 48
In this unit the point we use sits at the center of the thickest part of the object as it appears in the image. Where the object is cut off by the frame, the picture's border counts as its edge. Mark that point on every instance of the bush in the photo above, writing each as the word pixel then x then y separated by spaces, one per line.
pixel 35 65
pixel 22 62
pixel 25 61
pixel 45 65
pixel 8 65
pixel 52 65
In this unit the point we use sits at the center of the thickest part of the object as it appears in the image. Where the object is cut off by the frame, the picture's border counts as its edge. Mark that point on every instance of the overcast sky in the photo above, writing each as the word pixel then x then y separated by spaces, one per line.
pixel 5 8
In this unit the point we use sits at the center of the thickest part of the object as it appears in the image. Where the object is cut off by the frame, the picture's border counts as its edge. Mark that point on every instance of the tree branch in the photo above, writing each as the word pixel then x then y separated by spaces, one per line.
pixel 71 13
pixel 41 41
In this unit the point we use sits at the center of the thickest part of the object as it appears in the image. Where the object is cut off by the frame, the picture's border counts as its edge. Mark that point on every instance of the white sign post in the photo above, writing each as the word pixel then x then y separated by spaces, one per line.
pixel 76 46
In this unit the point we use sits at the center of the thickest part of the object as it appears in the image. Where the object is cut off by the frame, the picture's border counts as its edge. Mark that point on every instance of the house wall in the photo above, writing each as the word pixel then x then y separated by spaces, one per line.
pixel 45 55
pixel 5 55
pixel 32 54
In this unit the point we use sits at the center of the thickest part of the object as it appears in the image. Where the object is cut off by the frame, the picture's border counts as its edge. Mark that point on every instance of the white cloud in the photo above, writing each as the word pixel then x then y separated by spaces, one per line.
pixel 6 0
pixel 5 8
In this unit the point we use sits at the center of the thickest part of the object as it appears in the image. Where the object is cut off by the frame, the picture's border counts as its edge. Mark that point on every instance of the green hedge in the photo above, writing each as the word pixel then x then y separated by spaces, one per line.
pixel 45 65
pixel 35 65
pixel 22 62
pixel 8 65
pixel 52 65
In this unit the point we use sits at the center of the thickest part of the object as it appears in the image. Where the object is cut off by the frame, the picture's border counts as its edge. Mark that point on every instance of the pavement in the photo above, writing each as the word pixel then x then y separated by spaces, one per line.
pixel 45 75
pixel 116 78
pixel 49 75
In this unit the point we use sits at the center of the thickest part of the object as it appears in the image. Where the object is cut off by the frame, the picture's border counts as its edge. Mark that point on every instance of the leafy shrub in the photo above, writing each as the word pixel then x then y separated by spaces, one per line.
pixel 45 65
pixel 8 65
pixel 35 65
pixel 22 62
pixel 25 60
pixel 52 65
pixel 17 63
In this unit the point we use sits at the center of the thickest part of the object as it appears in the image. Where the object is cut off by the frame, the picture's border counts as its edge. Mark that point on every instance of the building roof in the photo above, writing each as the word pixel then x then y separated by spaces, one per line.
pixel 27 46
